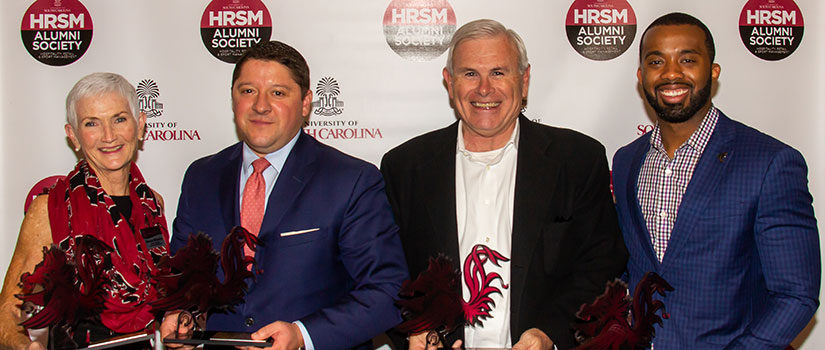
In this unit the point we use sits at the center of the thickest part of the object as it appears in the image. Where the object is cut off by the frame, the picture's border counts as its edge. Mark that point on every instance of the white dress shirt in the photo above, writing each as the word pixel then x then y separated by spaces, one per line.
pixel 485 191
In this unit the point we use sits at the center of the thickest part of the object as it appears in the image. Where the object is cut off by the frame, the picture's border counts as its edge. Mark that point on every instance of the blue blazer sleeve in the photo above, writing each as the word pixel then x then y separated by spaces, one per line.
pixel 371 253
pixel 181 226
pixel 788 245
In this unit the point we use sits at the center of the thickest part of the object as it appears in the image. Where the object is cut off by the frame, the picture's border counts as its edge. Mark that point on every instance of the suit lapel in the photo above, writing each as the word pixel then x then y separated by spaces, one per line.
pixel 440 194
pixel 634 208
pixel 537 176
pixel 299 167
pixel 228 190
pixel 706 175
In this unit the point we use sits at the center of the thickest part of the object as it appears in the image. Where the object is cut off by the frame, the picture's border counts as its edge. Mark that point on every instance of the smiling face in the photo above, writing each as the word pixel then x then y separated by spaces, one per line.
pixel 676 72
pixel 268 106
pixel 107 132
pixel 487 90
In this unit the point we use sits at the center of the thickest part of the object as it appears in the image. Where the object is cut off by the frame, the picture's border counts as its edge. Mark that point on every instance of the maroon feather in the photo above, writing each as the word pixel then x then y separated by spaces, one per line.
pixel 603 324
pixel 612 306
pixel 645 307
pixel 66 289
pixel 480 283
pixel 191 275
pixel 432 301
pixel 236 268
pixel 195 286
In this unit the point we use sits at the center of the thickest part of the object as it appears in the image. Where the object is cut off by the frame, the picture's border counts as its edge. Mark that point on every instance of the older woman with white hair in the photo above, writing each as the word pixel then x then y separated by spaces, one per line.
pixel 104 196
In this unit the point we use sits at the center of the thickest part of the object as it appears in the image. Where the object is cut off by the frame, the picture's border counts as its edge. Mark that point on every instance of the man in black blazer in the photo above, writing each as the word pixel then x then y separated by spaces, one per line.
pixel 523 209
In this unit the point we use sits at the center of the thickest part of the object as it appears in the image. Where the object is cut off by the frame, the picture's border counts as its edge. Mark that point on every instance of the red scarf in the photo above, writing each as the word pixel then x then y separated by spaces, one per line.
pixel 79 206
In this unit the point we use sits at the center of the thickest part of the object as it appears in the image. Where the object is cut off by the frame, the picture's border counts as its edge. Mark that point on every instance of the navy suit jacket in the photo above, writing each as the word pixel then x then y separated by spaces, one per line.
pixel 743 255
pixel 341 280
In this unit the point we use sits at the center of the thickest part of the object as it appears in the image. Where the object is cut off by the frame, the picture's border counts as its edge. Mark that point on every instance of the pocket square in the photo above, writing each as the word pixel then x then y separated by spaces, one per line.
pixel 299 232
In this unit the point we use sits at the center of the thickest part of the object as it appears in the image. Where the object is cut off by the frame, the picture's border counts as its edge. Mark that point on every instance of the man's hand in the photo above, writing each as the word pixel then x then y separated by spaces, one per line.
pixel 177 325
pixel 533 339
pixel 285 336
pixel 419 342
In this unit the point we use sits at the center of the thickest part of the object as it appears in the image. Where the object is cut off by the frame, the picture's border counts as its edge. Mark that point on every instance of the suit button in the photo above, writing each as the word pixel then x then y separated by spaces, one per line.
pixel 249 321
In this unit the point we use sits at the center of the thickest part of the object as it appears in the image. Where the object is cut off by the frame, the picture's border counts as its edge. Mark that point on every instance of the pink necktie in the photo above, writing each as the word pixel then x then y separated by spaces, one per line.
pixel 252 204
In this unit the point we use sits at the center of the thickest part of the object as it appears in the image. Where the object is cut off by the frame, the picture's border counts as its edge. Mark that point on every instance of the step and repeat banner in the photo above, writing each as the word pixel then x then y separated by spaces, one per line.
pixel 376 75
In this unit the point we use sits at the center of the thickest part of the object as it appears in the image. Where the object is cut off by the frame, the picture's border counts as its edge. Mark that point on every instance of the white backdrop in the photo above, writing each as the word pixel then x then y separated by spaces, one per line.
pixel 387 97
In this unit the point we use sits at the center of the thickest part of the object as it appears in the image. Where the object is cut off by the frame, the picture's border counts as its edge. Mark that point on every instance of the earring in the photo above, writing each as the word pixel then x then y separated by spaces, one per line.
pixel 77 149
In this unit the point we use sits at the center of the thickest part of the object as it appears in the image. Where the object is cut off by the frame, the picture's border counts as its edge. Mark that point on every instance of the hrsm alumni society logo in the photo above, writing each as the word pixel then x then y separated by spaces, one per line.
pixel 419 30
pixel 56 32
pixel 600 29
pixel 229 27
pixel 771 29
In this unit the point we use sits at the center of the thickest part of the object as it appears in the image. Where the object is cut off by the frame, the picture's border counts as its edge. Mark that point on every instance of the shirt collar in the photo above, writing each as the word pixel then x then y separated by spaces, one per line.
pixel 489 157
pixel 276 159
pixel 697 141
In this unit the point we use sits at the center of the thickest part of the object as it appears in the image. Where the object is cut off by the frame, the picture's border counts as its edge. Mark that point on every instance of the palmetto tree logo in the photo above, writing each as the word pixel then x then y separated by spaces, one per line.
pixel 327 103
pixel 148 92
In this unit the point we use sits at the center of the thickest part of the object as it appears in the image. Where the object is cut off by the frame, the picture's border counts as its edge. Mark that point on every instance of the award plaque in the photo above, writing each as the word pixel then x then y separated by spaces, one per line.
pixel 120 341
pixel 220 338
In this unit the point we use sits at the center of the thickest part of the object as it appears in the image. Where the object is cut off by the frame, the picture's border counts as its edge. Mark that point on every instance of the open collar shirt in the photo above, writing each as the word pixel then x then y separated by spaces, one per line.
pixel 662 181
pixel 276 161
pixel 485 192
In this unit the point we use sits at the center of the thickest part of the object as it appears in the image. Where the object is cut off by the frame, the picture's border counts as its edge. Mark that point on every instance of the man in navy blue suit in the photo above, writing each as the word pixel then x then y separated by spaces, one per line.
pixel 330 264
pixel 719 209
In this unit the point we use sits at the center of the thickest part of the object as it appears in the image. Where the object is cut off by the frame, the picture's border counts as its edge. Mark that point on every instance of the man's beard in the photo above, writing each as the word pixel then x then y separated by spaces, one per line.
pixel 676 113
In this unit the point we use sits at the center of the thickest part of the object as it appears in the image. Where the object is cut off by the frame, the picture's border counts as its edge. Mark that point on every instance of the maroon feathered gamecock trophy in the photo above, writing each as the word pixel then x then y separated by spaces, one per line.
pixel 604 324
pixel 432 302
pixel 192 284
pixel 64 289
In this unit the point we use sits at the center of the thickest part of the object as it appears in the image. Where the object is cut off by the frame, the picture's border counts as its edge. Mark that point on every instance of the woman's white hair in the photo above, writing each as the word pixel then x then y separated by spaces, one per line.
pixel 484 28
pixel 96 84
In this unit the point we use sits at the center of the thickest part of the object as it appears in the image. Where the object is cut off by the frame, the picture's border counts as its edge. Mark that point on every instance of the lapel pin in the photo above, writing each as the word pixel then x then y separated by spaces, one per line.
pixel 722 156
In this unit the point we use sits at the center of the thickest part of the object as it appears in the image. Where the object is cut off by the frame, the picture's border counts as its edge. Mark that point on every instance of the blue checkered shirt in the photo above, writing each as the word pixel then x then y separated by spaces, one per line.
pixel 663 181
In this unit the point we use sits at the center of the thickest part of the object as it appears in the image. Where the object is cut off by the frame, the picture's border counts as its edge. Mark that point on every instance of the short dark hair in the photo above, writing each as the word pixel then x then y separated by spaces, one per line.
pixel 281 53
pixel 679 18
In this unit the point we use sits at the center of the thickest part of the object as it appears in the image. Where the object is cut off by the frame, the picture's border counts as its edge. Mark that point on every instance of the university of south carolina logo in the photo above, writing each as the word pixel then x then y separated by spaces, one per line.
pixel 327 103
pixel 331 124
pixel 158 129
pixel 148 93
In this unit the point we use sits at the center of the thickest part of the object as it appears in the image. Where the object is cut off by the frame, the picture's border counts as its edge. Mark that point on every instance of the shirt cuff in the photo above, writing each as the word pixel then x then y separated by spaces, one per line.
pixel 307 340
